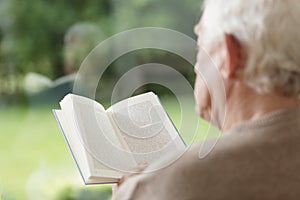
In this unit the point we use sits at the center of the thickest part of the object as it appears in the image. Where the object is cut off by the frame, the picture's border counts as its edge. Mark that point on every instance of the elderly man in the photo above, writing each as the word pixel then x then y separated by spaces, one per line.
pixel 256 48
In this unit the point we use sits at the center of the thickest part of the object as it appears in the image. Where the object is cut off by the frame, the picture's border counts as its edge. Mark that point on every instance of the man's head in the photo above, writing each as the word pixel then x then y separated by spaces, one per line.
pixel 255 43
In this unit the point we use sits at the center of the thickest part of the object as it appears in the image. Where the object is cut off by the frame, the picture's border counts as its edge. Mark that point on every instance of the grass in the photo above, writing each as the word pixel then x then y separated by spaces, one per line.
pixel 34 160
pixel 30 143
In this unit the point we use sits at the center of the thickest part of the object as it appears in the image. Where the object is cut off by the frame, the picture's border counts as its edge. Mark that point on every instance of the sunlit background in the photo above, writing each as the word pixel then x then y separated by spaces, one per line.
pixel 42 44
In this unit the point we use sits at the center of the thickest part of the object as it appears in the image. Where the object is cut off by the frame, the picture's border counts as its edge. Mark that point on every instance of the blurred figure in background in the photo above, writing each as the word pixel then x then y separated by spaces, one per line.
pixel 79 40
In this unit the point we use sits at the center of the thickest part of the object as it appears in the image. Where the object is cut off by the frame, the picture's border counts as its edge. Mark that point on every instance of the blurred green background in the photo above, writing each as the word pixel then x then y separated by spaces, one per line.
pixel 42 44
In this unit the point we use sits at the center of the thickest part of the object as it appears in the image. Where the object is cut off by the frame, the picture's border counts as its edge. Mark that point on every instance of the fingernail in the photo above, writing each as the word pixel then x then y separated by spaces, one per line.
pixel 144 163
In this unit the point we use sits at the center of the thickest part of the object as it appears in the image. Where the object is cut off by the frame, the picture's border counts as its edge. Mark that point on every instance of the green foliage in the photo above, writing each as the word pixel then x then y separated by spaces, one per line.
pixel 11 90
pixel 33 35
pixel 174 14
pixel 39 27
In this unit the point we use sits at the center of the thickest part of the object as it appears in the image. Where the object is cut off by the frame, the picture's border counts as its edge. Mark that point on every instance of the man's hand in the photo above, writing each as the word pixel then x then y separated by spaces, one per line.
pixel 138 169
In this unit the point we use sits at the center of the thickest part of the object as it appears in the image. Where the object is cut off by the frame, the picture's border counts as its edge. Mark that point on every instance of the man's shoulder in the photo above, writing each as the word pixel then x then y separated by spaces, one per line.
pixel 236 167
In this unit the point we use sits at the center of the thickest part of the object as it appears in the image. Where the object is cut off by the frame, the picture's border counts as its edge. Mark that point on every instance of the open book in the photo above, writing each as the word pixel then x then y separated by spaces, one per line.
pixel 107 144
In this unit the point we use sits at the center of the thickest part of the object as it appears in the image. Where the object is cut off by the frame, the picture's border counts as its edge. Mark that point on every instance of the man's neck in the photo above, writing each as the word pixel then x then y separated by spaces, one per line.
pixel 244 104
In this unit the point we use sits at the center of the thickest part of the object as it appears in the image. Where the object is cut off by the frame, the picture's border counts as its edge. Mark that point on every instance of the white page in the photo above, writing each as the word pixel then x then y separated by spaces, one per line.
pixel 91 170
pixel 98 136
pixel 77 150
pixel 145 127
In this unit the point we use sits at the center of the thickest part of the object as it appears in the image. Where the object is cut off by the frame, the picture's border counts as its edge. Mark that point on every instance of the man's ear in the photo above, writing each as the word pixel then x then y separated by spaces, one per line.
pixel 234 55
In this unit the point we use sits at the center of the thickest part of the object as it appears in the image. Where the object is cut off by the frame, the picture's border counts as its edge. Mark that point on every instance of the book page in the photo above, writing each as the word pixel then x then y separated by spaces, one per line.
pixel 98 137
pixel 145 128
pixel 87 166
pixel 78 152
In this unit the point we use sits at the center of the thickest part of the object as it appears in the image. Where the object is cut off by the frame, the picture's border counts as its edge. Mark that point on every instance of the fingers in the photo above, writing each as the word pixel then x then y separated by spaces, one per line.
pixel 114 188
pixel 123 178
pixel 136 170
pixel 140 167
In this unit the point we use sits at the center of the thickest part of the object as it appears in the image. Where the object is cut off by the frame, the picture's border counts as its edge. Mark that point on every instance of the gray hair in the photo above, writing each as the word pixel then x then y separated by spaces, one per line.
pixel 269 31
